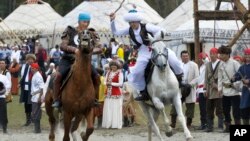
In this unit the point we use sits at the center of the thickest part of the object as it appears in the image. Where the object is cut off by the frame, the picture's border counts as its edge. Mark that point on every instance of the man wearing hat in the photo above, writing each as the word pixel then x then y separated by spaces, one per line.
pixel 202 61
pixel 69 47
pixel 214 101
pixel 25 85
pixel 231 97
pixel 139 34
pixel 243 75
pixel 37 85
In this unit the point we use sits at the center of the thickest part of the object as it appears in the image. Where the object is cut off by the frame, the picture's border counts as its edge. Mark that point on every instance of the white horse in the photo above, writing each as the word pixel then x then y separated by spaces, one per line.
pixel 163 88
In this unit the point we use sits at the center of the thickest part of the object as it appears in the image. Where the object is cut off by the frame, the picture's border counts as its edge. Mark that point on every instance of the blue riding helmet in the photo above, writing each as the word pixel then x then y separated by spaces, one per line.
pixel 84 17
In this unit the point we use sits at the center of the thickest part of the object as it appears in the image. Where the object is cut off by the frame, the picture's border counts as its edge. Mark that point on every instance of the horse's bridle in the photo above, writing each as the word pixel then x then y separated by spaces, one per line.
pixel 165 54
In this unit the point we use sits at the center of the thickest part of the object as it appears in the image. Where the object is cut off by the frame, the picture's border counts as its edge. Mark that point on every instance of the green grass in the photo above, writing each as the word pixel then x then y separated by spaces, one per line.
pixel 16 116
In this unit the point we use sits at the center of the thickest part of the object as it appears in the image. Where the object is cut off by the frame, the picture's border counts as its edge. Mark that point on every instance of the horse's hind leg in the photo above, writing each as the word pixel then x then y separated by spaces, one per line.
pixel 152 115
pixel 76 122
pixel 90 125
pixel 67 117
pixel 178 108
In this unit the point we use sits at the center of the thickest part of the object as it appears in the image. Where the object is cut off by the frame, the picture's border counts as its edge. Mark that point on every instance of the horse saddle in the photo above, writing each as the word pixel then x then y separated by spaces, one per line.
pixel 64 81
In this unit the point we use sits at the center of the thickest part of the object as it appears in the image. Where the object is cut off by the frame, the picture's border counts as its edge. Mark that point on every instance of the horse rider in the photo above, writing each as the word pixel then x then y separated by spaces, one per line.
pixel 139 34
pixel 69 47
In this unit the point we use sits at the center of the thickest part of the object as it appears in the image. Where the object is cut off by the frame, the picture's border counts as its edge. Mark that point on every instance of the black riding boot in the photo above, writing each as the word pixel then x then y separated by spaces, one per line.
pixel 189 122
pixel 96 82
pixel 220 123
pixel 210 125
pixel 56 89
pixel 226 130
pixel 37 126
pixel 245 121
pixel 4 129
pixel 143 96
pixel 28 119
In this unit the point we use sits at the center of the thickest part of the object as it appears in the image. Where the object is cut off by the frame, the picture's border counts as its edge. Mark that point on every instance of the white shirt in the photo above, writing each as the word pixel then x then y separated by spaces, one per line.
pixel 185 72
pixel 52 52
pixel 16 55
pixel 8 75
pixel 6 83
pixel 227 68
pixel 114 49
pixel 37 83
pixel 215 63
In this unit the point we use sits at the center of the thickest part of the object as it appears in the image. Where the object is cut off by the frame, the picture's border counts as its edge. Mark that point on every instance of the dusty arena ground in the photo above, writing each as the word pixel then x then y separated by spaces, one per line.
pixel 137 133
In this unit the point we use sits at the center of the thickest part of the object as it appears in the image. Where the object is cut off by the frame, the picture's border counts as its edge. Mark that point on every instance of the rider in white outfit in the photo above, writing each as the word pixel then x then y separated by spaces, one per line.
pixel 138 33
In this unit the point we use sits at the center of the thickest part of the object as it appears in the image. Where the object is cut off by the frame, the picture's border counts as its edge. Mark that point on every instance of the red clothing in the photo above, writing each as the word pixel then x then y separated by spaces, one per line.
pixel 41 55
pixel 113 90
pixel 14 69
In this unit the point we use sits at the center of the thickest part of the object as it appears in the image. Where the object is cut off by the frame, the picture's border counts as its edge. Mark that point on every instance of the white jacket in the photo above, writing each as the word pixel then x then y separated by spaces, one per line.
pixel 37 84
pixel 6 83
pixel 192 76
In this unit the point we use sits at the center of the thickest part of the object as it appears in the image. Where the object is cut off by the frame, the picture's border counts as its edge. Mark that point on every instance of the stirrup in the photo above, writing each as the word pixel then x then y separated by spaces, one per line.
pixel 143 96
pixel 56 104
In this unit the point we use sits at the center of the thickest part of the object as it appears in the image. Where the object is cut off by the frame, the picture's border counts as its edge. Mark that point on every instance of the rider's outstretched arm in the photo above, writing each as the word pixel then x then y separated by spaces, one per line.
pixel 174 62
pixel 124 31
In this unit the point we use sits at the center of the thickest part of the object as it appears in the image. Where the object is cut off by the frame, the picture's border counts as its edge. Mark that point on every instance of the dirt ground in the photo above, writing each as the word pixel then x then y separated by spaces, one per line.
pixel 136 133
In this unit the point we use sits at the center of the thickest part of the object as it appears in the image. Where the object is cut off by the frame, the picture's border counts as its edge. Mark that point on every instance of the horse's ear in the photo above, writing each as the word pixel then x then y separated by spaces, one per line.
pixel 160 35
pixel 151 39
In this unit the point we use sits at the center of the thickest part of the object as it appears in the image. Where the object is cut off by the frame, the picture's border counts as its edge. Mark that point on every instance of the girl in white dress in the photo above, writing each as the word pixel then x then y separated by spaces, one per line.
pixel 112 110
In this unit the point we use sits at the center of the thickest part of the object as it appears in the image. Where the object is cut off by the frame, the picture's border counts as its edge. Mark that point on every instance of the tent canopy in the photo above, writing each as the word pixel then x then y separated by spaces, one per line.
pixel 31 19
pixel 99 11
pixel 181 23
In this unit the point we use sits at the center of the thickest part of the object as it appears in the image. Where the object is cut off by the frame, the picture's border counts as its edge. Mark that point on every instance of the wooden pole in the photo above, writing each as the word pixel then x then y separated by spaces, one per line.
pixel 196 31
pixel 218 5
pixel 237 36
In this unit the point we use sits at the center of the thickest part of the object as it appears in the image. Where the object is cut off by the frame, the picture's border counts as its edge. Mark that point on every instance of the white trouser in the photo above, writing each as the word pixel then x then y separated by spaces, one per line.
pixel 136 76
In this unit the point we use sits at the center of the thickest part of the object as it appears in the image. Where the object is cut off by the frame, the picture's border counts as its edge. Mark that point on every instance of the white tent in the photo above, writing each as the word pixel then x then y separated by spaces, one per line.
pixel 30 20
pixel 183 13
pixel 183 29
pixel 99 11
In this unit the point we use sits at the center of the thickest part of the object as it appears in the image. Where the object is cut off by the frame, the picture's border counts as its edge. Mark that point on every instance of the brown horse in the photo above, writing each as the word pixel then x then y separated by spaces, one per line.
pixel 78 95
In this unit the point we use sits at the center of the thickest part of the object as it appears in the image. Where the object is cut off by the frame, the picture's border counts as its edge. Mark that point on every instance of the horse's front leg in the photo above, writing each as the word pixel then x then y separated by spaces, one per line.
pixel 90 125
pixel 169 131
pixel 76 122
pixel 178 108
pixel 67 118
pixel 52 120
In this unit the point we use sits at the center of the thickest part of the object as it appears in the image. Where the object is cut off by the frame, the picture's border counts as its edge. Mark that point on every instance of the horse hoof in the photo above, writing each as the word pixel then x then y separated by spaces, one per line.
pixel 169 134
pixel 83 136
pixel 189 139
pixel 51 137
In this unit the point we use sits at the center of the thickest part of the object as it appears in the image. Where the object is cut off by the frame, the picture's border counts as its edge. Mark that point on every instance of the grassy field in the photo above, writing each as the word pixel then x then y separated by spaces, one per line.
pixel 16 116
